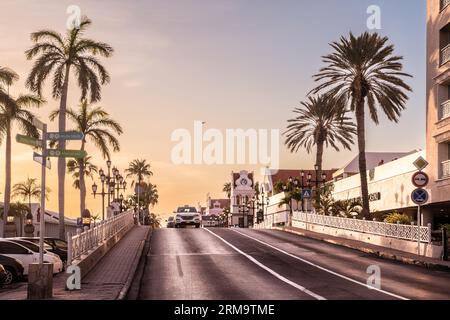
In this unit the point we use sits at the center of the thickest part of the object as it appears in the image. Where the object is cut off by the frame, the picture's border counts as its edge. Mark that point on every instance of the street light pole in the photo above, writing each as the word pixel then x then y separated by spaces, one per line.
pixel 43 195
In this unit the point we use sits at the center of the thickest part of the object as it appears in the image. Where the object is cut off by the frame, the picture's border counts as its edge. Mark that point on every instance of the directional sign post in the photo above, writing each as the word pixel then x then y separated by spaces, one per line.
pixel 28 140
pixel 56 153
pixel 38 158
pixel 65 136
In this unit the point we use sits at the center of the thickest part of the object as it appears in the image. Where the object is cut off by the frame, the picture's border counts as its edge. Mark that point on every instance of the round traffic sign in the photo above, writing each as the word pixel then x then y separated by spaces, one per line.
pixel 420 179
pixel 419 196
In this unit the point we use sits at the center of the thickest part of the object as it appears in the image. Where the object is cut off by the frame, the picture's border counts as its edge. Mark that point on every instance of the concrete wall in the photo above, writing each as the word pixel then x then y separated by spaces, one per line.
pixel 426 249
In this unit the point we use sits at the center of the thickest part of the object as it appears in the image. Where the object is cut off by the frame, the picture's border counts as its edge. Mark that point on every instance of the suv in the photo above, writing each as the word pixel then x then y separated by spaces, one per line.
pixel 186 216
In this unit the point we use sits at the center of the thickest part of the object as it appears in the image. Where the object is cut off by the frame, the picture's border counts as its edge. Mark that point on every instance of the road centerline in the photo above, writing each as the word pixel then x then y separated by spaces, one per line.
pixel 272 272
pixel 321 268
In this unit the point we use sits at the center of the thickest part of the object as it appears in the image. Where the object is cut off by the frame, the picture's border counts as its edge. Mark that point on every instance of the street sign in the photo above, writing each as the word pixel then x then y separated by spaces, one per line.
pixel 38 158
pixel 66 153
pixel 420 163
pixel 419 196
pixel 420 179
pixel 79 222
pixel 65 136
pixel 306 193
pixel 38 123
pixel 28 140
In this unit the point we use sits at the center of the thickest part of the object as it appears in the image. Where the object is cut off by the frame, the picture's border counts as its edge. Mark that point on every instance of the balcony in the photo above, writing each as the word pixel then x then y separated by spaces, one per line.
pixel 445 109
pixel 445 54
pixel 444 4
pixel 446 169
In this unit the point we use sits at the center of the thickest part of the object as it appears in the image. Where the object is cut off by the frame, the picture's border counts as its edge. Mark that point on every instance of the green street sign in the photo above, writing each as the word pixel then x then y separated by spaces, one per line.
pixel 66 153
pixel 65 136
pixel 28 140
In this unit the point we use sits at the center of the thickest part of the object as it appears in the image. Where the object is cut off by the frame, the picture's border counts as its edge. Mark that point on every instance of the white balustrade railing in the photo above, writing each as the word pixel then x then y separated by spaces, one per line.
pixel 83 243
pixel 445 54
pixel 444 4
pixel 399 231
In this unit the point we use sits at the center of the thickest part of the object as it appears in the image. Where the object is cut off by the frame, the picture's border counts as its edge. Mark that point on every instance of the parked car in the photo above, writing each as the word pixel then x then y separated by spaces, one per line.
pixel 54 245
pixel 28 254
pixel 170 222
pixel 13 267
pixel 2 274
pixel 186 216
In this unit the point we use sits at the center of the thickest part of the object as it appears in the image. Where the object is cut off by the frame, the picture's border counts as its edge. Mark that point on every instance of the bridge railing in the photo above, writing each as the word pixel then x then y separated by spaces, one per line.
pixel 84 242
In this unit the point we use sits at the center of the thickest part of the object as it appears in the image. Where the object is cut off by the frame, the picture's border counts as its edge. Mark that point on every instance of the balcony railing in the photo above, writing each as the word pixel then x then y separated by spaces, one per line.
pixel 445 54
pixel 444 4
pixel 445 109
pixel 446 169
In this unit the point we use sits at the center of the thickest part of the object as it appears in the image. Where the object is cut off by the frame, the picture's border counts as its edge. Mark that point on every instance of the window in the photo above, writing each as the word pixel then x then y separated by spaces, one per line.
pixel 12 248
pixel 444 39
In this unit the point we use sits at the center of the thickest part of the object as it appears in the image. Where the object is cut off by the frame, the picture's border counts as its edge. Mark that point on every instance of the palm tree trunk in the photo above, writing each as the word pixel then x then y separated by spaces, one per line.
pixel 82 182
pixel 319 159
pixel 362 157
pixel 62 161
pixel 7 200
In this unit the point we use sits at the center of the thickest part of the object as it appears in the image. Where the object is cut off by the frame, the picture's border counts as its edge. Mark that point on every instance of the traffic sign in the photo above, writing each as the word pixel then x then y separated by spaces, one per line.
pixel 420 163
pixel 56 153
pixel 65 136
pixel 420 196
pixel 38 158
pixel 306 193
pixel 38 123
pixel 28 140
pixel 420 179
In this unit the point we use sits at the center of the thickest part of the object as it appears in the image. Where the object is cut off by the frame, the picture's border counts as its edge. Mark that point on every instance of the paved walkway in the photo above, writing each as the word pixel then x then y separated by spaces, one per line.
pixel 380 251
pixel 107 278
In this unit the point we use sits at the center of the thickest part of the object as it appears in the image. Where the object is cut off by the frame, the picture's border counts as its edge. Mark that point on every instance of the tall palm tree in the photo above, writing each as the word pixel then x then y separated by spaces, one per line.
pixel 321 122
pixel 365 71
pixel 58 55
pixel 28 190
pixel 97 126
pixel 139 169
pixel 14 111
pixel 74 167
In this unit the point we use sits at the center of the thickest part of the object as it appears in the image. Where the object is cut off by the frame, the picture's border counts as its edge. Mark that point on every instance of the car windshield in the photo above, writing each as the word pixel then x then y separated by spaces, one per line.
pixel 29 245
pixel 36 242
pixel 186 209
pixel 170 219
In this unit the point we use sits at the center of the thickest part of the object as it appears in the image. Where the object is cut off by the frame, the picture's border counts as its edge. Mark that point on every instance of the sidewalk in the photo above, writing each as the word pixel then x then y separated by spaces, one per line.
pixel 108 278
pixel 382 252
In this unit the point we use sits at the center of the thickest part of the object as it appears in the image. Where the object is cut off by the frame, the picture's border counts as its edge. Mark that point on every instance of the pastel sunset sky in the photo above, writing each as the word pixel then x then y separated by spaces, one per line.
pixel 231 63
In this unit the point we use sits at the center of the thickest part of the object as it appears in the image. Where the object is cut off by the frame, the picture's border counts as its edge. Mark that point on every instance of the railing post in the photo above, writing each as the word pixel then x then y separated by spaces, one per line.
pixel 429 232
pixel 69 248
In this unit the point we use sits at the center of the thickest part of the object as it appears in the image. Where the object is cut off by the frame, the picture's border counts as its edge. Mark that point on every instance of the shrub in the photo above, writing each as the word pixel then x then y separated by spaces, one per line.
pixel 396 217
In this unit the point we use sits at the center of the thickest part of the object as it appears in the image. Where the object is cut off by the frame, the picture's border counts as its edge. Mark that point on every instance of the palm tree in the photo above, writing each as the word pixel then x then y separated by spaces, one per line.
pixel 227 189
pixel 97 126
pixel 60 54
pixel 28 190
pixel 347 208
pixel 322 122
pixel 14 111
pixel 363 70
pixel 74 167
pixel 140 169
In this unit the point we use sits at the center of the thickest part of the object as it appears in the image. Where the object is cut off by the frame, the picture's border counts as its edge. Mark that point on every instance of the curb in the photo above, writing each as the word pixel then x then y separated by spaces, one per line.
pixel 384 255
pixel 126 287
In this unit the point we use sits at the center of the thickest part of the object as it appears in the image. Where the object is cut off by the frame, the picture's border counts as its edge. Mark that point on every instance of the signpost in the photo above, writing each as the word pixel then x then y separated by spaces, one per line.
pixel 28 140
pixel 306 193
pixel 56 153
pixel 420 196
pixel 38 158
pixel 65 136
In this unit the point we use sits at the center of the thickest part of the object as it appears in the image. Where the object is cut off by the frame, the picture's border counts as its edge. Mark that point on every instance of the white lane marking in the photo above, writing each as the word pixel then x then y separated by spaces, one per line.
pixel 275 274
pixel 322 268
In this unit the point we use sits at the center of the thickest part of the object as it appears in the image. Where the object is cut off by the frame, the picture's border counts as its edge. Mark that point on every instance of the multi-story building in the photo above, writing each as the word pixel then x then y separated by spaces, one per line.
pixel 438 104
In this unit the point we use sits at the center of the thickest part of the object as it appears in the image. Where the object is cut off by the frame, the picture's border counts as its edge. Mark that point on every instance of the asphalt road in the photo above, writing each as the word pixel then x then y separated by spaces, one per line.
pixel 243 264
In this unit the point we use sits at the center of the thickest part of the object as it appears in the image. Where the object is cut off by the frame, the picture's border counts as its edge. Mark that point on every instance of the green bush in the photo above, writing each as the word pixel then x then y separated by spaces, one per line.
pixel 396 217
pixel 446 226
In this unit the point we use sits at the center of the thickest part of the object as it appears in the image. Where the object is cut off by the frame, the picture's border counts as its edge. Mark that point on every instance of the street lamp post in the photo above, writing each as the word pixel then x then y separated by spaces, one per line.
pixel 243 208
